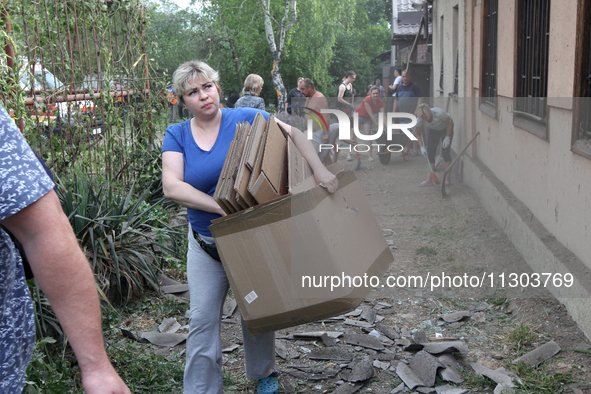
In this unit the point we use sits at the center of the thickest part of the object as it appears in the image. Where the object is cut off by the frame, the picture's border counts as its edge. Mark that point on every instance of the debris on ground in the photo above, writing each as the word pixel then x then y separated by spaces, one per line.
pixel 169 325
pixel 164 339
pixel 539 355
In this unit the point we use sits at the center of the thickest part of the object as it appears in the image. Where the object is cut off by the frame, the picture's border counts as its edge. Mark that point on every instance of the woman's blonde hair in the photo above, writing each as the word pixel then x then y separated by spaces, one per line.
pixel 190 70
pixel 423 109
pixel 253 84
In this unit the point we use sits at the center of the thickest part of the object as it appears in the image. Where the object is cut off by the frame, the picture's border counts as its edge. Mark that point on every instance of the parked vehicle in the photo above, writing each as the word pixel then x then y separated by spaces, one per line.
pixel 52 108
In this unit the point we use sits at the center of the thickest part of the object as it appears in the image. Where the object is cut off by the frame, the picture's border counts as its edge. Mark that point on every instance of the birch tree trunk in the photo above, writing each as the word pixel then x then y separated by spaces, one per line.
pixel 276 46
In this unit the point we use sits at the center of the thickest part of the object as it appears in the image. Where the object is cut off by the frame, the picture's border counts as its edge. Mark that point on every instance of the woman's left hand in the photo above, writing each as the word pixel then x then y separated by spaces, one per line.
pixel 327 179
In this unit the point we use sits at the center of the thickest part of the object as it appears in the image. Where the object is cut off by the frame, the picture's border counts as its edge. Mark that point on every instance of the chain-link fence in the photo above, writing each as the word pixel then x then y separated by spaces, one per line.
pixel 76 80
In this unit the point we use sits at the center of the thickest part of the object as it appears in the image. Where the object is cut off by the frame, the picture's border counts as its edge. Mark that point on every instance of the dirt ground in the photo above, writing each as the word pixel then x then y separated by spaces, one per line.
pixel 454 236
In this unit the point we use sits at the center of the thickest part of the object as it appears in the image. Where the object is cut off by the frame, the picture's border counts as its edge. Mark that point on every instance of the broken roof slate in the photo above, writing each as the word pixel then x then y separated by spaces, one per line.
pixel 367 341
pixel 359 370
pixel 539 354
pixel 446 347
pixel 425 366
pixel 332 353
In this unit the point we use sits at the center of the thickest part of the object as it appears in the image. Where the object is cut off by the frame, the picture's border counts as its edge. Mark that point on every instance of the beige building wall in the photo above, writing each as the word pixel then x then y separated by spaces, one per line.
pixel 543 174
pixel 551 180
pixel 449 39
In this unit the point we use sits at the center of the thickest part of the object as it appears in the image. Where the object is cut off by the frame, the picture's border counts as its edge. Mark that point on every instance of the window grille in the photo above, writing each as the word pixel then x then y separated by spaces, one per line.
pixel 489 89
pixel 586 110
pixel 456 78
pixel 441 74
pixel 532 81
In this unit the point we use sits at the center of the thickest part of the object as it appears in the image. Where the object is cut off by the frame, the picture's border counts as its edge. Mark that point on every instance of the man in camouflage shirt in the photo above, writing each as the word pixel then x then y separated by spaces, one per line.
pixel 31 210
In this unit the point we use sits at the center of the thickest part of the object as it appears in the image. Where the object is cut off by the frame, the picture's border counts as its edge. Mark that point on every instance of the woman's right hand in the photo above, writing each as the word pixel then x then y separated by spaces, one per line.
pixel 327 179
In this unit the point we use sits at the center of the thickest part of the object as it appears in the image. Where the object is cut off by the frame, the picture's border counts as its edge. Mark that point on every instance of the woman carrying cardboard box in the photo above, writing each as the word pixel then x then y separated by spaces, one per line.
pixel 193 154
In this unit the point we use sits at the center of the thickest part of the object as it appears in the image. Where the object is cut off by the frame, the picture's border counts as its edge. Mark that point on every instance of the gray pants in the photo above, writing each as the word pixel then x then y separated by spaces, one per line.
pixel 208 286
pixel 333 134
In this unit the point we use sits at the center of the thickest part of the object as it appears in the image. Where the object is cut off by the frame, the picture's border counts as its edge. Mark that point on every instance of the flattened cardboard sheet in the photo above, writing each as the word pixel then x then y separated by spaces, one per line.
pixel 244 172
pixel 224 195
pixel 271 162
pixel 275 156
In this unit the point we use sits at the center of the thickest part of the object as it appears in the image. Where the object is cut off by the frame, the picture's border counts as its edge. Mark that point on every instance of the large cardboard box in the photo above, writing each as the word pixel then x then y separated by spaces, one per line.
pixel 267 251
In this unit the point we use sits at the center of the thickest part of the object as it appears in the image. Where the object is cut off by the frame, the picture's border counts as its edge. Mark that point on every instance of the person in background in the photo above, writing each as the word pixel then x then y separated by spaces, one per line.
pixel 253 84
pixel 397 81
pixel 408 97
pixel 316 101
pixel 231 101
pixel 173 102
pixel 31 211
pixel 439 127
pixel 379 85
pixel 368 113
pixel 345 97
pixel 345 93
pixel 193 155
pixel 293 107
pixel 392 88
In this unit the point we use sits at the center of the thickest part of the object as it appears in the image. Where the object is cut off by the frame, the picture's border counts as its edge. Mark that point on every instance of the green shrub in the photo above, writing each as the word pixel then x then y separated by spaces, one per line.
pixel 49 375
pixel 122 239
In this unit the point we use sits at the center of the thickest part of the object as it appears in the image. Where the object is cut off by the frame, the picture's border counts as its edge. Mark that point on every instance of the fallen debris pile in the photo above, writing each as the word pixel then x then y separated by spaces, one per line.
pixel 373 343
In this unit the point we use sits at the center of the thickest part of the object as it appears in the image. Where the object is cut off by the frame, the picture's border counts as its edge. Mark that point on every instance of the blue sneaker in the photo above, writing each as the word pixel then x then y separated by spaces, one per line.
pixel 269 385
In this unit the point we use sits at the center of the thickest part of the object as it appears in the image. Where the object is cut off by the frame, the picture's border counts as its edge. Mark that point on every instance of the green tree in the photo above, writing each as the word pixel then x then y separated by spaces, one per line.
pixel 280 40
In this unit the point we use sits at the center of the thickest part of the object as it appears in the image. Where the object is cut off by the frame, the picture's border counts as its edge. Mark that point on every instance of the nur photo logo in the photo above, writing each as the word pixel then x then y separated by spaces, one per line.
pixel 404 123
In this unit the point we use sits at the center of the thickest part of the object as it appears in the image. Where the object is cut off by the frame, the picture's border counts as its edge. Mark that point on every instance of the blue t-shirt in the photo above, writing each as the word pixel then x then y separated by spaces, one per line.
pixel 22 182
pixel 203 168
pixel 408 96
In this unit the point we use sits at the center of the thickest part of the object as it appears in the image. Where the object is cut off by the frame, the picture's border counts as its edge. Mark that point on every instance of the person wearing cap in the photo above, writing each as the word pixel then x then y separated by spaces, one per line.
pixel 439 126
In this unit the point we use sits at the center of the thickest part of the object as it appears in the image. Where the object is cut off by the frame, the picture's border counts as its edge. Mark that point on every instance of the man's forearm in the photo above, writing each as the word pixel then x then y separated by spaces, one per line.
pixel 64 274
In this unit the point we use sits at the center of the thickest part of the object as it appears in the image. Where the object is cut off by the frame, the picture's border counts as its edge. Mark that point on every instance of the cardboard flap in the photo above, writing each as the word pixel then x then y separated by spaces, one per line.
pixel 257 129
pixel 261 193
pixel 298 167
pixel 275 155
pixel 224 194
pixel 310 182
pixel 262 189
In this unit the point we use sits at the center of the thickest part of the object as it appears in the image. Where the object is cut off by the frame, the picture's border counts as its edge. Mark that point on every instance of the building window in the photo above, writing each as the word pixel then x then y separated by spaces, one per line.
pixel 489 52
pixel 581 141
pixel 532 65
